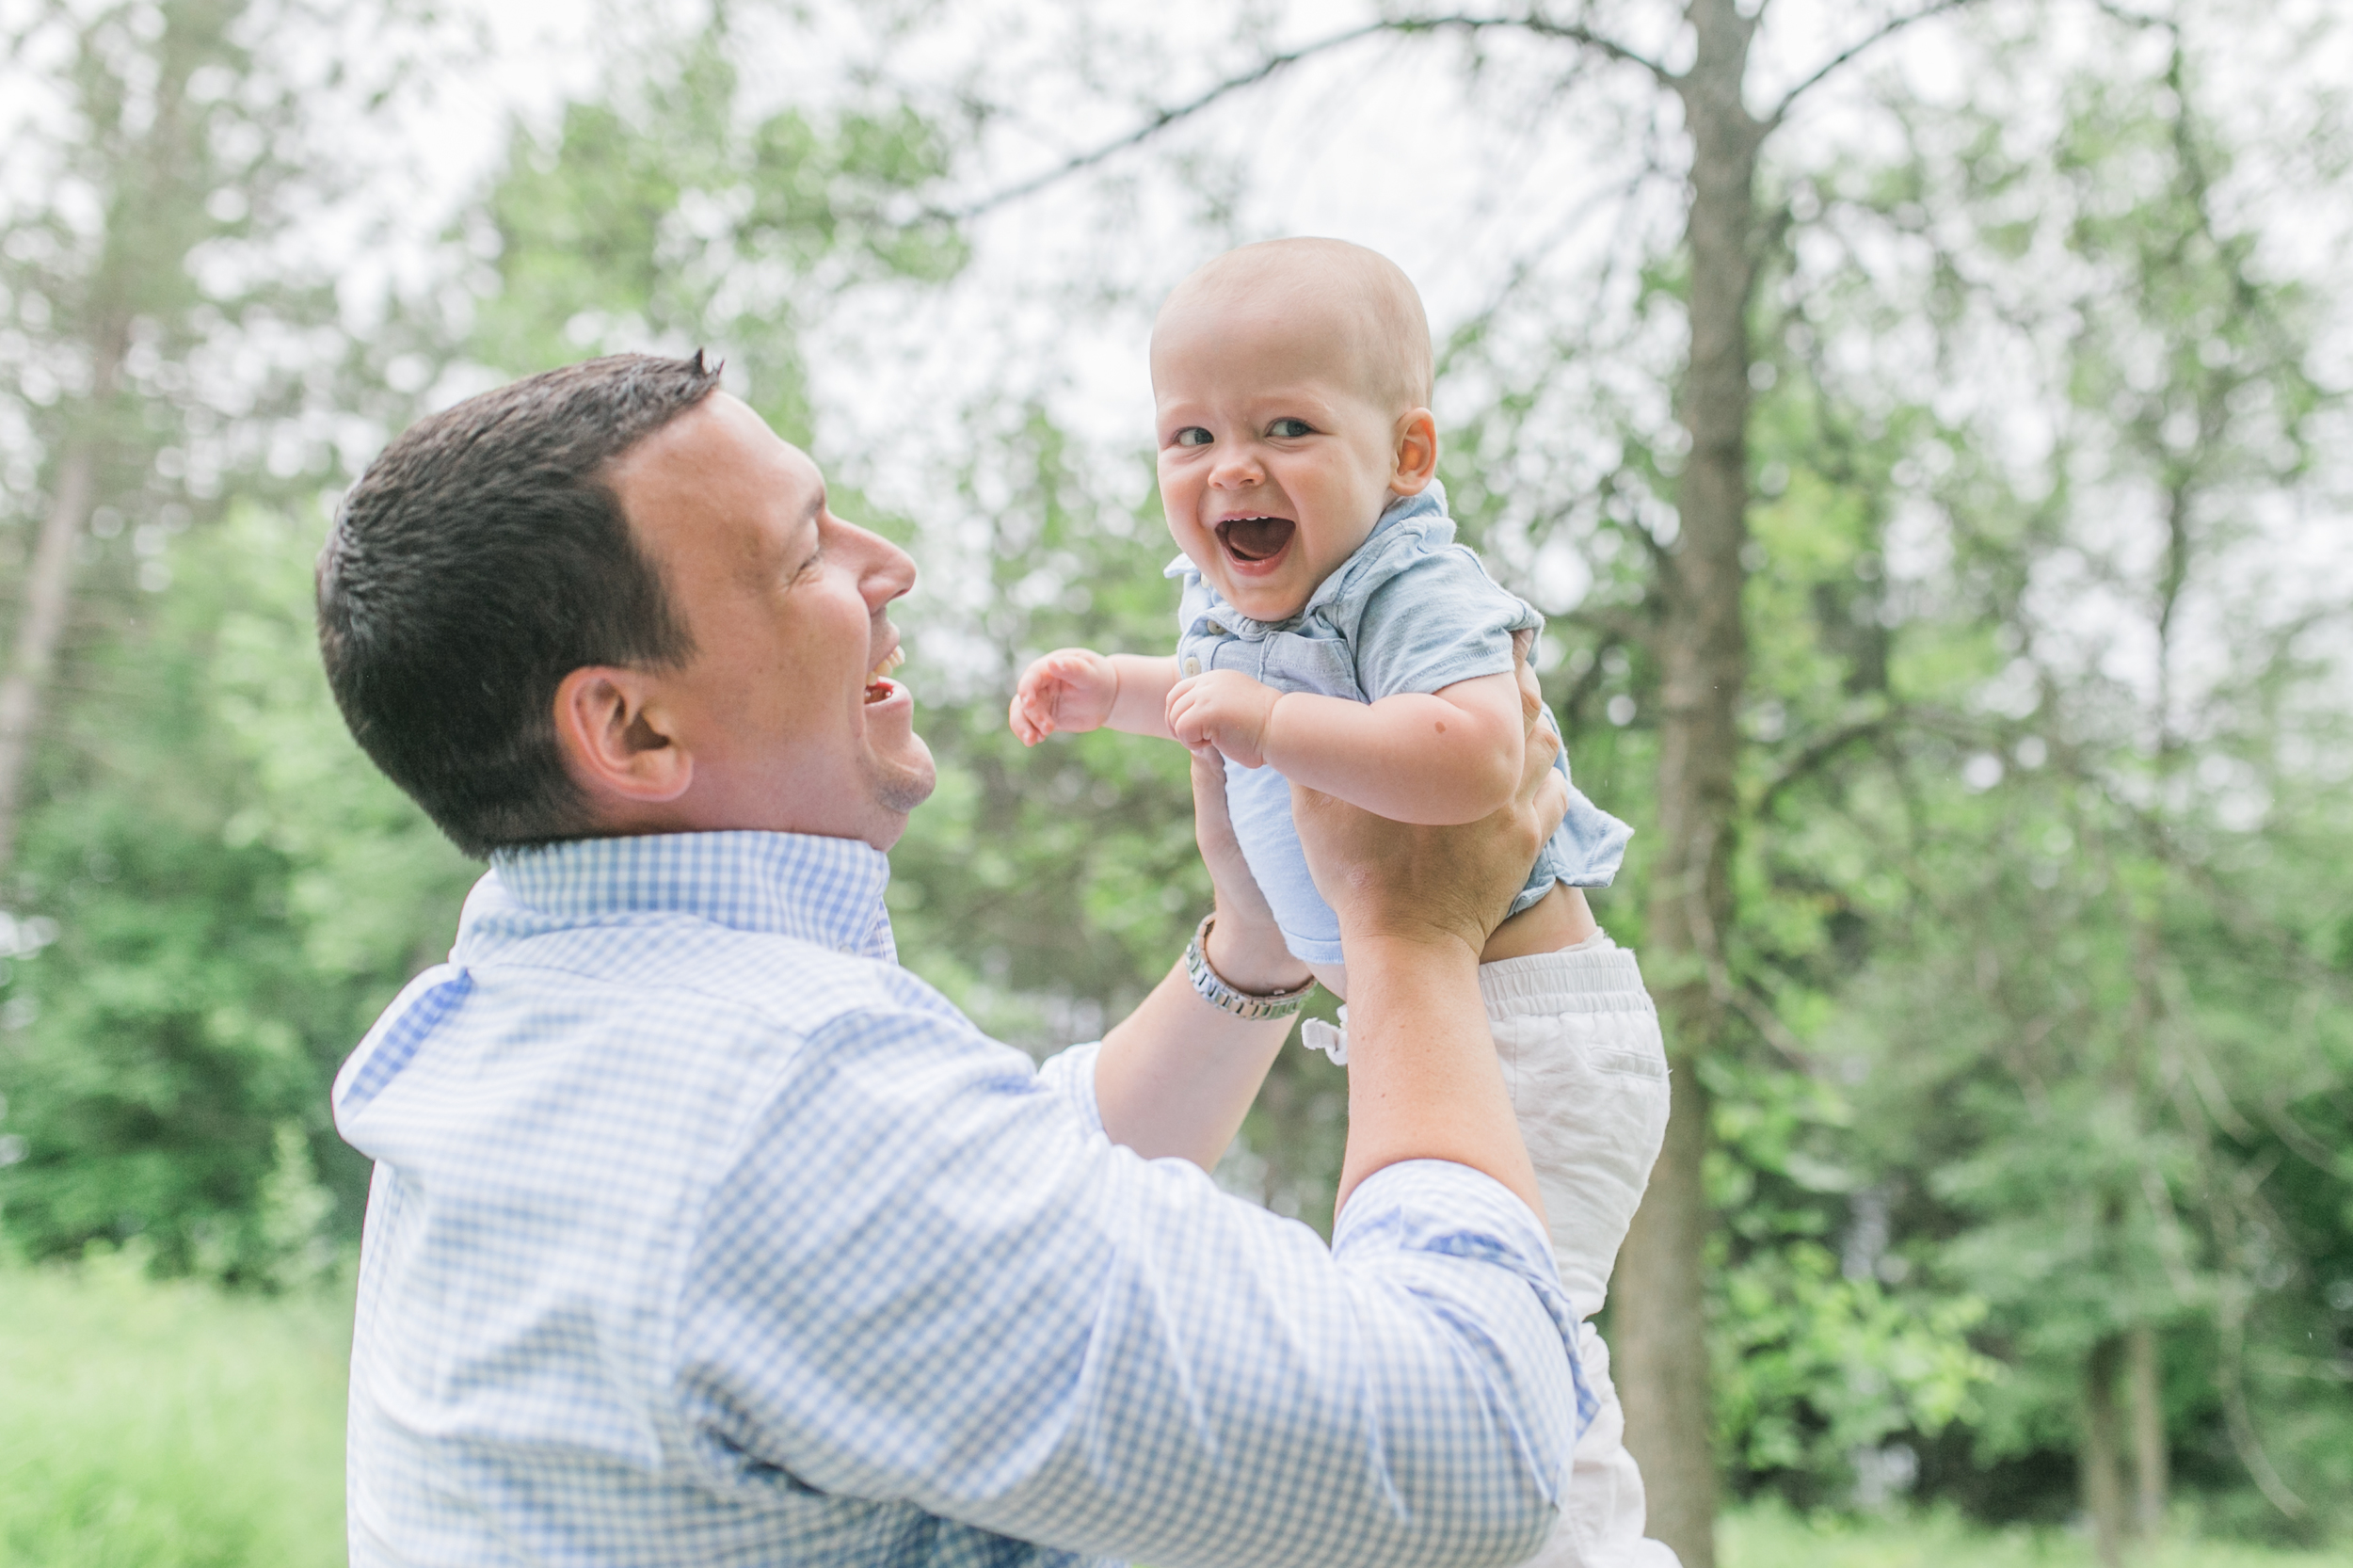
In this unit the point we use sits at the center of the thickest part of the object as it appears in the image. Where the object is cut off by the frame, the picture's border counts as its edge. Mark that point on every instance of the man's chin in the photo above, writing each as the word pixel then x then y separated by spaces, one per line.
pixel 902 785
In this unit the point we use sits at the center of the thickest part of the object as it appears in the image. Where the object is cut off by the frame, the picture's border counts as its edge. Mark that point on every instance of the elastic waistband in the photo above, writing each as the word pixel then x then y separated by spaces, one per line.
pixel 1589 980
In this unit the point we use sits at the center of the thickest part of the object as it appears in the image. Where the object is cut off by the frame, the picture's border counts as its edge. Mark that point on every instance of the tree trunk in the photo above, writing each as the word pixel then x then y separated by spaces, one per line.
pixel 40 629
pixel 1659 1335
pixel 1703 652
pixel 2148 1418
pixel 2102 1470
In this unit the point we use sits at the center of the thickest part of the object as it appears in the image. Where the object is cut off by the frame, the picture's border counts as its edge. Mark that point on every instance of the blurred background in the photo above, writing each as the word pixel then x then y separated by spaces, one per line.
pixel 1925 425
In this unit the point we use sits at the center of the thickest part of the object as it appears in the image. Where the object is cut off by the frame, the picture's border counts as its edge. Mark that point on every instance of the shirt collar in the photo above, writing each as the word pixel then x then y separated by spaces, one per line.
pixel 816 890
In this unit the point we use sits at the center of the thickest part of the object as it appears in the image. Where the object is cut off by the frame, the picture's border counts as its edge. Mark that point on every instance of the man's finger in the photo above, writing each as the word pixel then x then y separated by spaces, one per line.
pixel 1551 805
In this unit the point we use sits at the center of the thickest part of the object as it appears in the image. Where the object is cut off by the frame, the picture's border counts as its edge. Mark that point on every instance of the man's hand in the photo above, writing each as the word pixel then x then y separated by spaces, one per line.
pixel 1245 945
pixel 1430 885
pixel 1224 708
pixel 1071 689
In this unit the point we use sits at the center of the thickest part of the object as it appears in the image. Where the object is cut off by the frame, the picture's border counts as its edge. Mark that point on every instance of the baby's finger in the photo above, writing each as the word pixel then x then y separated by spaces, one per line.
pixel 1070 665
pixel 1187 727
pixel 1031 720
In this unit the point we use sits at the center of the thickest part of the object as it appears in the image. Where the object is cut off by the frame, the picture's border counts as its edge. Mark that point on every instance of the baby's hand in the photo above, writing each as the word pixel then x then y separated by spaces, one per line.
pixel 1224 708
pixel 1070 689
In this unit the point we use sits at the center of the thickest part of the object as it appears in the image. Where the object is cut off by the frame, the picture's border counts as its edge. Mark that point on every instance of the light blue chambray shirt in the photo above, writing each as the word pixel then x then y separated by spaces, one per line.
pixel 701 1233
pixel 1412 610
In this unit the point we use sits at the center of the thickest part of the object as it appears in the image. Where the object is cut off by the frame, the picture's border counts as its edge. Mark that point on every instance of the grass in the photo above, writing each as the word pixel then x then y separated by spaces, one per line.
pixel 147 1425
pixel 170 1425
pixel 1767 1535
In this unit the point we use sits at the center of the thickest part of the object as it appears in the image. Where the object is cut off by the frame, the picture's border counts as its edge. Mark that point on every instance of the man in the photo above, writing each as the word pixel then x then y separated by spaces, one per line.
pixel 702 1233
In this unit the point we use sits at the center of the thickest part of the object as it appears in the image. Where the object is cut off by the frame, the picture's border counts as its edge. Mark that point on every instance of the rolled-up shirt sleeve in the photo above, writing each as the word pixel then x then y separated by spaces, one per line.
pixel 923 1275
pixel 1070 1074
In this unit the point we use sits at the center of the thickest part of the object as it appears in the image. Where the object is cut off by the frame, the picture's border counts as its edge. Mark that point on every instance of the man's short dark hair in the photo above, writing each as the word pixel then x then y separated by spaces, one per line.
pixel 481 559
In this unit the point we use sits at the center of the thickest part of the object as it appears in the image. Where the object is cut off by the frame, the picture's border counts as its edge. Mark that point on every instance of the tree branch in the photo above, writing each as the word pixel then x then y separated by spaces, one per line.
pixel 1897 25
pixel 1274 64
pixel 1161 120
pixel 1820 751
pixel 1616 623
pixel 1569 32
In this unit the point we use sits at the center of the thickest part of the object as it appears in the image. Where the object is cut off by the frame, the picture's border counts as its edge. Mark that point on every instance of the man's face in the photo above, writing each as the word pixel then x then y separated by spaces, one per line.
pixel 786 708
pixel 1275 462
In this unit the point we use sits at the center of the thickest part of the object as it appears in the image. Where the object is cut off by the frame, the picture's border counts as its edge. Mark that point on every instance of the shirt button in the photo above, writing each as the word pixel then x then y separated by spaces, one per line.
pixel 1215 630
pixel 1193 666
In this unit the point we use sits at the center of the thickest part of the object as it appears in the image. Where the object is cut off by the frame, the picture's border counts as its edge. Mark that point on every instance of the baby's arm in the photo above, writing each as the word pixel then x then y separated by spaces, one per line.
pixel 1451 756
pixel 1077 689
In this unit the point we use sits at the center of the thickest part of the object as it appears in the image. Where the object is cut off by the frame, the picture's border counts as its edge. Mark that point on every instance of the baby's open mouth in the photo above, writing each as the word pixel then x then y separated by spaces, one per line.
pixel 1254 538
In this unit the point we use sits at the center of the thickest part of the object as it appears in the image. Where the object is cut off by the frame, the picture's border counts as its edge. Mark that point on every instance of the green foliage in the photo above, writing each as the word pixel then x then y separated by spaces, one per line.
pixel 1819 1367
pixel 669 215
pixel 2077 978
pixel 237 893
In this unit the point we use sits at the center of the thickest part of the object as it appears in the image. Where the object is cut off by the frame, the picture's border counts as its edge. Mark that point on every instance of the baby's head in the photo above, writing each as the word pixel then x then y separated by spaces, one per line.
pixel 1292 383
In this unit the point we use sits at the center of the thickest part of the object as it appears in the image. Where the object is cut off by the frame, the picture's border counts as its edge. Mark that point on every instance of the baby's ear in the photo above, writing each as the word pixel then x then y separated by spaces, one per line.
pixel 1416 447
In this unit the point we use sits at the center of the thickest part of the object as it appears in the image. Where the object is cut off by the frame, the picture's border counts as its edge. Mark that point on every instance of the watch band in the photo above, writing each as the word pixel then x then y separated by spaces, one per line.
pixel 1241 1004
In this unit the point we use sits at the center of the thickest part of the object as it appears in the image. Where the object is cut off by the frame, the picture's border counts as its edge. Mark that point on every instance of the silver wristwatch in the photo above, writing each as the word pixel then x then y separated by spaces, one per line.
pixel 1241 1004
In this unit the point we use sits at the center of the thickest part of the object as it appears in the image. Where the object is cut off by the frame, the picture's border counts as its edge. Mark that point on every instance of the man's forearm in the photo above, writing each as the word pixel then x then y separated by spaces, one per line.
pixel 1177 1074
pixel 1423 1082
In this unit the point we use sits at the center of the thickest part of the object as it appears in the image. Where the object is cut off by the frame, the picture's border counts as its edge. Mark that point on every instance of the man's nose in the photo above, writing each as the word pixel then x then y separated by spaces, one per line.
pixel 885 571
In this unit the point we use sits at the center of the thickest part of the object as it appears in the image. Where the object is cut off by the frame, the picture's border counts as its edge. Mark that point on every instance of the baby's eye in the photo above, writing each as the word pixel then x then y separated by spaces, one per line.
pixel 1290 428
pixel 1192 435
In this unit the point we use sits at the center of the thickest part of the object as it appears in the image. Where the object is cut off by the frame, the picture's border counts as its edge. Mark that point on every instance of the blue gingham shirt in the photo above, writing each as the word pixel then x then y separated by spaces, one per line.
pixel 703 1233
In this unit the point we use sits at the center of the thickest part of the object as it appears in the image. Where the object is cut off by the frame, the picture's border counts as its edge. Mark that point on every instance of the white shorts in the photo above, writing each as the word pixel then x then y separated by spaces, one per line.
pixel 1587 1072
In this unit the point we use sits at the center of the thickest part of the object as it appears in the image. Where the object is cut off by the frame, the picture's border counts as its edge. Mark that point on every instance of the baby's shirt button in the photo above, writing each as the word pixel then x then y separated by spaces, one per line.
pixel 1193 666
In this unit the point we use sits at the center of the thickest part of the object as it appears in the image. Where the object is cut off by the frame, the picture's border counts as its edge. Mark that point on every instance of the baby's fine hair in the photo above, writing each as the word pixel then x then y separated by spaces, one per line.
pixel 1392 332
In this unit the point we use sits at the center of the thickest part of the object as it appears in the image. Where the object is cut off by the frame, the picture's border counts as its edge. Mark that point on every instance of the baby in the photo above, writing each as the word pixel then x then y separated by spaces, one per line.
pixel 1333 634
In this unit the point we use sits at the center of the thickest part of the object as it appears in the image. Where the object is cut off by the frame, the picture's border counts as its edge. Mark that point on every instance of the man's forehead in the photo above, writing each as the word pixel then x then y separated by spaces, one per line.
pixel 717 475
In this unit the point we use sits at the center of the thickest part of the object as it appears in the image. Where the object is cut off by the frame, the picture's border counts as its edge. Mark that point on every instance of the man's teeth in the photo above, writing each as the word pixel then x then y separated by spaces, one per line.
pixel 890 661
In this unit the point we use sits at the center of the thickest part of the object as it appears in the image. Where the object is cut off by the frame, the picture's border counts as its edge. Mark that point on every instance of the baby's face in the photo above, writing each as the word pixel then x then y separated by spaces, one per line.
pixel 1274 460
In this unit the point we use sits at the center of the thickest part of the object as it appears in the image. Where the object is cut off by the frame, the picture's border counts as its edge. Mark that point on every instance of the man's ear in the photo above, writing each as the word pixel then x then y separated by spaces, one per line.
pixel 1416 452
pixel 615 736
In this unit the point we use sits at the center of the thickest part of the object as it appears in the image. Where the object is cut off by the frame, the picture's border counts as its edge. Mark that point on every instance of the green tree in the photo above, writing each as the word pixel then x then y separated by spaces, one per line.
pixel 672 212
pixel 157 164
pixel 169 337
pixel 2053 789
pixel 237 893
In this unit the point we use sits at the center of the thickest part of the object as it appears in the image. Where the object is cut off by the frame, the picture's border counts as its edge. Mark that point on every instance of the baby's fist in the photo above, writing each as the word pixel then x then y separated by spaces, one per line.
pixel 1070 689
pixel 1224 708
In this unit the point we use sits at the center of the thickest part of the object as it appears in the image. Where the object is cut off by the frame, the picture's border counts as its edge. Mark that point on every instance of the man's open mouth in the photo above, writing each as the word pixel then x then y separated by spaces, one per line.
pixel 878 683
pixel 1255 538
